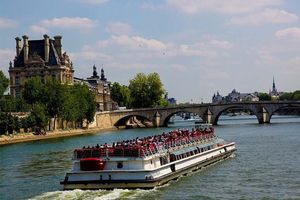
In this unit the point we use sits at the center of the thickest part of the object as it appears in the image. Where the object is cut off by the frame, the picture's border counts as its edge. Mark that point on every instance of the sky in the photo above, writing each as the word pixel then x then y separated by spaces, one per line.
pixel 198 47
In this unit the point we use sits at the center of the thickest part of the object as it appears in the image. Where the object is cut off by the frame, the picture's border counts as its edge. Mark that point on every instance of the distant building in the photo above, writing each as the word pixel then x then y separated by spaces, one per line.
pixel 274 93
pixel 171 100
pixel 43 58
pixel 101 88
pixel 217 98
pixel 234 96
pixel 248 97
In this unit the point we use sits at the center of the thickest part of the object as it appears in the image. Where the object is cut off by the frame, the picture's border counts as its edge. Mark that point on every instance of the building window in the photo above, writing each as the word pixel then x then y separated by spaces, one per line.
pixel 17 80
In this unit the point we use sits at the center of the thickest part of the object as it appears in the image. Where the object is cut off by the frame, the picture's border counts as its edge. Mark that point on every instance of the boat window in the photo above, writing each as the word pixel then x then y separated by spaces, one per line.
pixel 120 165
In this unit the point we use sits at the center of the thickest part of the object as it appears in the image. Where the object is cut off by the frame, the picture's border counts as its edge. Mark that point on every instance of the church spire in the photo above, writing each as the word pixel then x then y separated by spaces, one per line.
pixel 274 86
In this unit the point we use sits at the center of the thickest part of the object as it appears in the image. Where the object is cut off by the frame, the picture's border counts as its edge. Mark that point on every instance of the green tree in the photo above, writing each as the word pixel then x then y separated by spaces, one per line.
pixel 4 82
pixel 264 97
pixel 164 102
pixel 296 95
pixel 86 103
pixel 156 89
pixel 34 91
pixel 3 123
pixel 78 104
pixel 8 104
pixel 121 95
pixel 286 96
pixel 146 91
pixel 55 95
pixel 9 123
pixel 139 91
pixel 39 117
pixel 70 107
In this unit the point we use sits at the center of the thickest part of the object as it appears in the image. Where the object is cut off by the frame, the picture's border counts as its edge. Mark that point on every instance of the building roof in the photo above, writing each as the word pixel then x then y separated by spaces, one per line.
pixel 37 49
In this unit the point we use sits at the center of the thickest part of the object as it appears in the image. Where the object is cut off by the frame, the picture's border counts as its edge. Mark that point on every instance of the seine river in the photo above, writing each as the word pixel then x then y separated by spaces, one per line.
pixel 266 165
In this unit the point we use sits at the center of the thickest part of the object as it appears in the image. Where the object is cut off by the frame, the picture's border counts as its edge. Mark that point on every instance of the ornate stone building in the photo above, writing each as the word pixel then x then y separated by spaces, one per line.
pixel 43 58
pixel 101 88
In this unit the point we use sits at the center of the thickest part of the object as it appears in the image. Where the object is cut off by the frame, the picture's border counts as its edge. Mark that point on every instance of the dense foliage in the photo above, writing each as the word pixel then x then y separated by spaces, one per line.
pixel 291 96
pixel 143 91
pixel 121 95
pixel 4 82
pixel 264 97
pixel 46 101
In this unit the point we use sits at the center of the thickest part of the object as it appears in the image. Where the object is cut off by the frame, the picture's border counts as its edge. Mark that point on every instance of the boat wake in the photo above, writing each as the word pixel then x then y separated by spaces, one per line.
pixel 93 194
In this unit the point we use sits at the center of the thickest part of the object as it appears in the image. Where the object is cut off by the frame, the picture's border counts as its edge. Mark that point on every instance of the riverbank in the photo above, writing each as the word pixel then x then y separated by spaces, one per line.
pixel 27 137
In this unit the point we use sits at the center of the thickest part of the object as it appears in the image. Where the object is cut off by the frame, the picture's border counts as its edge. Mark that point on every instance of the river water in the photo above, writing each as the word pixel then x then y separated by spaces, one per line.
pixel 265 166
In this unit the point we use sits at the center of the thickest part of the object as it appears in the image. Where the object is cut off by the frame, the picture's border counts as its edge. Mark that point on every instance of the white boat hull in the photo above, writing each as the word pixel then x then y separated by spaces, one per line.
pixel 145 179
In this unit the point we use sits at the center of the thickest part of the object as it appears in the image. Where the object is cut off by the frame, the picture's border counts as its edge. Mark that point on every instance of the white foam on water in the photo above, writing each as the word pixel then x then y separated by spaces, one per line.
pixel 139 193
pixel 70 195
pixel 115 194
pixel 92 194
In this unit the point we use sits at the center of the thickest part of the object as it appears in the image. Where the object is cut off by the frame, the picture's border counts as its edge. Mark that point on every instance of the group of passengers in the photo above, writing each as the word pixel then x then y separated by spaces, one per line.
pixel 164 140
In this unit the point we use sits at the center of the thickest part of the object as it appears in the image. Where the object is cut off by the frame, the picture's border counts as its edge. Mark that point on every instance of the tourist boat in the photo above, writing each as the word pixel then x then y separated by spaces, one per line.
pixel 146 162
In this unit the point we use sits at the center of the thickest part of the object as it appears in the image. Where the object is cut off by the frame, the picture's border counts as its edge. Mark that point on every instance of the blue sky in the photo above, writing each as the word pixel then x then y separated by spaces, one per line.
pixel 197 46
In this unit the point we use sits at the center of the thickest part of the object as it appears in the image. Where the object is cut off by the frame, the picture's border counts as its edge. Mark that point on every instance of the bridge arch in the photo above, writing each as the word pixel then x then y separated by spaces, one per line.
pixel 168 117
pixel 130 120
pixel 216 115
pixel 284 106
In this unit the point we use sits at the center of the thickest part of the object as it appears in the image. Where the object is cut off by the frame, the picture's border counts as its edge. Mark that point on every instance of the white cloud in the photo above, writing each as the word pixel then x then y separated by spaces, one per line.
pixel 69 22
pixel 79 23
pixel 133 43
pixel 289 33
pixel 119 28
pixel 38 29
pixel 221 6
pixel 151 6
pixel 6 55
pixel 90 55
pixel 220 44
pixel 131 50
pixel 273 16
pixel 94 2
pixel 7 23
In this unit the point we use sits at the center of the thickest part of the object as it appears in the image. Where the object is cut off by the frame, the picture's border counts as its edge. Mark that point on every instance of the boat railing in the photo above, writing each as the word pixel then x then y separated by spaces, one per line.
pixel 138 150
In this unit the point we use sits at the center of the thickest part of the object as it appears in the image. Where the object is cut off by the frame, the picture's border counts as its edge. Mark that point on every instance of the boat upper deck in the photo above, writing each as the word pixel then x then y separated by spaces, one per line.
pixel 143 147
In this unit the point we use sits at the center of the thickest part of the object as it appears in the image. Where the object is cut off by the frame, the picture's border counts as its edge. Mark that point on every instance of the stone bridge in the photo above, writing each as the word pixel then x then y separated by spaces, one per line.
pixel 209 113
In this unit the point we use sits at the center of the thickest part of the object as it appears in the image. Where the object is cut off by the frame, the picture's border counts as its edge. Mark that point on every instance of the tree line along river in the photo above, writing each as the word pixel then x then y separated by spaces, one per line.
pixel 265 166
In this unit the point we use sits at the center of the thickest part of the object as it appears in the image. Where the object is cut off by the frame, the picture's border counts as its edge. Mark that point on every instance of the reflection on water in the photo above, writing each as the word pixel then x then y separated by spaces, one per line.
pixel 266 165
